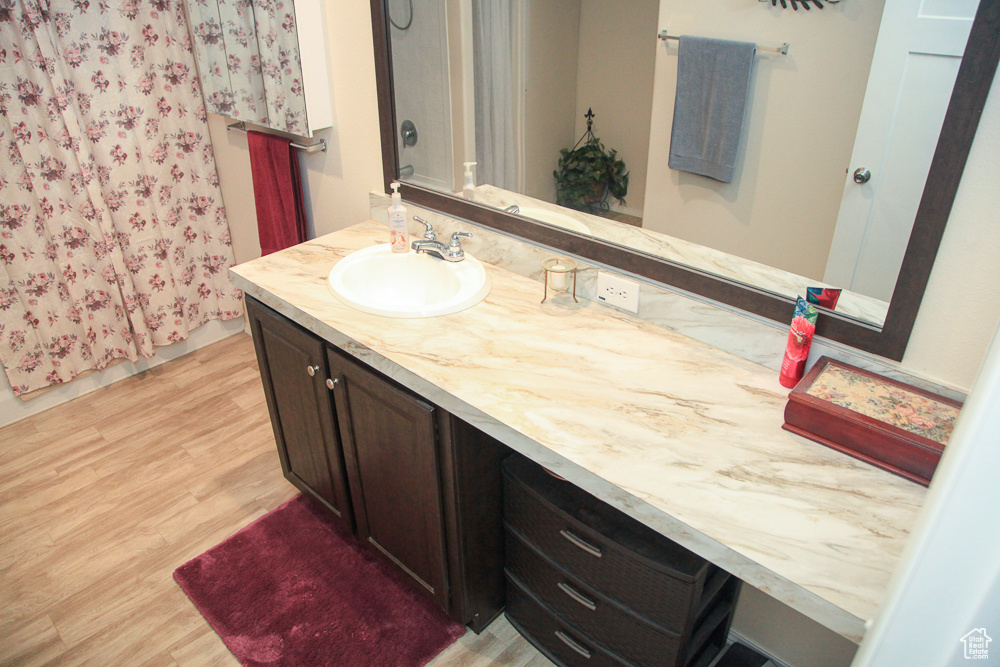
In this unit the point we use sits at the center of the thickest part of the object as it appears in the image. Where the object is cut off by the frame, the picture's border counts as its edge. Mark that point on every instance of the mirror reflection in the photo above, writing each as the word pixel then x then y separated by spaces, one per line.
pixel 863 86
pixel 248 62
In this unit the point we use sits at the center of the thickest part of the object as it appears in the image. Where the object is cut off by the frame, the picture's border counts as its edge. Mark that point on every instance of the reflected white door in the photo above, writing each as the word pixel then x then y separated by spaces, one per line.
pixel 919 48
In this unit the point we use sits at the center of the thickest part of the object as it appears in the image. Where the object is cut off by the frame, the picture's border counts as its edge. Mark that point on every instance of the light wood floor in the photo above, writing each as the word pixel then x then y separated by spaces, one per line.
pixel 103 497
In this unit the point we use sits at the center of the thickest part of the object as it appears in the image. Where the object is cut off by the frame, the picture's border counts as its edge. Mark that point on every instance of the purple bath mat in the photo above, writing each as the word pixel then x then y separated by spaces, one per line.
pixel 293 589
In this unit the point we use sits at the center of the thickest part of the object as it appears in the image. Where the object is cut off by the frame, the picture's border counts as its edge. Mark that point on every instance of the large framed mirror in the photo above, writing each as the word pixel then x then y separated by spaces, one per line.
pixel 639 250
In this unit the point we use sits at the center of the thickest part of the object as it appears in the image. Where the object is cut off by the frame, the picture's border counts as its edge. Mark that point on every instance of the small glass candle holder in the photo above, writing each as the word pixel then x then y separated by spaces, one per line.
pixel 558 273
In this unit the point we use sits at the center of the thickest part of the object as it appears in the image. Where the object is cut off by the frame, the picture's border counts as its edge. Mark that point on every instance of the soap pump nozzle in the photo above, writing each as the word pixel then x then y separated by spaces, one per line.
pixel 398 237
pixel 469 189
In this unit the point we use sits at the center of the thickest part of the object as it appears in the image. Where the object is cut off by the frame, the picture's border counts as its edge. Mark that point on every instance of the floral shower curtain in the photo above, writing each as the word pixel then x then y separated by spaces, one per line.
pixel 113 237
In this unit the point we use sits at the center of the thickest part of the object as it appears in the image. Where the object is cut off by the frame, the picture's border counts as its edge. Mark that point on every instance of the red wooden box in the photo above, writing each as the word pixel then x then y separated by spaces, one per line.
pixel 886 423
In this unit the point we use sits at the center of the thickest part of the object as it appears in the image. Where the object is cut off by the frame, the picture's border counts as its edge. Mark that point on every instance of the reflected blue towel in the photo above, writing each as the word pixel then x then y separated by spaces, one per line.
pixel 713 83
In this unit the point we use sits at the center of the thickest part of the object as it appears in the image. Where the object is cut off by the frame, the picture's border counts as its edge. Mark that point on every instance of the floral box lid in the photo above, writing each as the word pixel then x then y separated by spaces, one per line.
pixel 884 422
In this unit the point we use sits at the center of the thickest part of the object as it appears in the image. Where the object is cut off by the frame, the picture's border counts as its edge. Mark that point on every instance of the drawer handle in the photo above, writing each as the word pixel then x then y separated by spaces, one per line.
pixel 573 644
pixel 577 595
pixel 580 542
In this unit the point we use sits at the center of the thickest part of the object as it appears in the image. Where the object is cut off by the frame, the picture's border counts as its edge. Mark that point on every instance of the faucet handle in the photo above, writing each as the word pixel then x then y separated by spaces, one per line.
pixel 455 251
pixel 429 234
pixel 455 238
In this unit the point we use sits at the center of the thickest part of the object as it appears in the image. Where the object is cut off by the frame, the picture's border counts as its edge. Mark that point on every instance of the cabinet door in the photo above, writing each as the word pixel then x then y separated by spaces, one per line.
pixel 390 447
pixel 293 369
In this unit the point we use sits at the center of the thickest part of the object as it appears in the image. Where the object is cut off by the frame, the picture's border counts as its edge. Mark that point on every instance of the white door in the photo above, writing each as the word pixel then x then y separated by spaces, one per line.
pixel 919 48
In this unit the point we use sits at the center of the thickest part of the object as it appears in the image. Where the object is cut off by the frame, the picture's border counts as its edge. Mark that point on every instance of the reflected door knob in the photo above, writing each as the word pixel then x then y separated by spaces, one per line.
pixel 331 383
pixel 862 175
pixel 312 370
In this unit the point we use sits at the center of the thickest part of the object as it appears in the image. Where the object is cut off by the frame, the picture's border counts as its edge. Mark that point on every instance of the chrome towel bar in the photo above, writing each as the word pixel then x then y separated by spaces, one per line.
pixel 306 148
pixel 783 49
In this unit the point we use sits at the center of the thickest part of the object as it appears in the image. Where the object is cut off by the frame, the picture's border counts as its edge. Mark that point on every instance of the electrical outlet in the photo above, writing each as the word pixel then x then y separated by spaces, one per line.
pixel 617 291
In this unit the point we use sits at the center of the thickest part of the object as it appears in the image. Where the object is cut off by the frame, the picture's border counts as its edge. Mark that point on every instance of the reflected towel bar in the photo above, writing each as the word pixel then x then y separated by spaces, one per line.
pixel 783 49
pixel 306 148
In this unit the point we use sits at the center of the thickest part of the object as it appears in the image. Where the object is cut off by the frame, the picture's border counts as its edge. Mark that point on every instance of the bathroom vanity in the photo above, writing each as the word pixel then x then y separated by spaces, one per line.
pixel 682 437
pixel 428 502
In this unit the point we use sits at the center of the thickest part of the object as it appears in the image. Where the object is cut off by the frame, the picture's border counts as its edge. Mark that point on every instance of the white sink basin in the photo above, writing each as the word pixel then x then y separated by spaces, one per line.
pixel 378 281
pixel 553 218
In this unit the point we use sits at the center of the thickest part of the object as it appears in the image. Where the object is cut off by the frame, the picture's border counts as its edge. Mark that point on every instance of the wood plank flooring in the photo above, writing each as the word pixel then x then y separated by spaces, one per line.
pixel 103 497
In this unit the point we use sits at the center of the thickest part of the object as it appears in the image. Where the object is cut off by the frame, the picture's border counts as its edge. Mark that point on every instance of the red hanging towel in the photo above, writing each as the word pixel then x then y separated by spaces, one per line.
pixel 277 192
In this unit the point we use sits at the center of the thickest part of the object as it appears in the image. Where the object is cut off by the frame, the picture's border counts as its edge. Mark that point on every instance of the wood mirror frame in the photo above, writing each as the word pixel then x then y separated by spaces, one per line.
pixel 972 86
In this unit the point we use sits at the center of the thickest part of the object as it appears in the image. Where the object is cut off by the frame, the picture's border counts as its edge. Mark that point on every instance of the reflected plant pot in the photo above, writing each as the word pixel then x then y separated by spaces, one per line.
pixel 599 190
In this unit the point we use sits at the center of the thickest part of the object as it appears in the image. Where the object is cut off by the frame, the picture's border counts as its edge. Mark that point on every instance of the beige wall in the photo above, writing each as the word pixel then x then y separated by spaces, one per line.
pixel 615 78
pixel 959 312
pixel 549 90
pixel 461 78
pixel 778 630
pixel 781 208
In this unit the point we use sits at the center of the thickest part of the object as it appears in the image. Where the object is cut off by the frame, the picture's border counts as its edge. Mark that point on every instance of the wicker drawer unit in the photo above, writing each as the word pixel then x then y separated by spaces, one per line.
pixel 559 641
pixel 594 614
pixel 635 595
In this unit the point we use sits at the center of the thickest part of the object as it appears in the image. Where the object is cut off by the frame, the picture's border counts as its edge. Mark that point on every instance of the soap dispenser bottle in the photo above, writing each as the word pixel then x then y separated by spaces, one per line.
pixel 398 237
pixel 469 189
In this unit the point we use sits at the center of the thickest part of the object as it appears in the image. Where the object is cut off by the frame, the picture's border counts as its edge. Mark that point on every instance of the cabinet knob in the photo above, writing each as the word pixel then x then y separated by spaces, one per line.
pixel 331 383
pixel 312 370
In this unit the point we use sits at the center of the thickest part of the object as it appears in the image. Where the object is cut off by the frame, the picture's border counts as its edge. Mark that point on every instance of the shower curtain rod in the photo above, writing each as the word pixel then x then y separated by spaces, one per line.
pixel 305 148
pixel 783 49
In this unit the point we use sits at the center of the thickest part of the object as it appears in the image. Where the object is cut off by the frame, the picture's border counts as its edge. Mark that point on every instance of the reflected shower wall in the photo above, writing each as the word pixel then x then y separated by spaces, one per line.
pixel 419 40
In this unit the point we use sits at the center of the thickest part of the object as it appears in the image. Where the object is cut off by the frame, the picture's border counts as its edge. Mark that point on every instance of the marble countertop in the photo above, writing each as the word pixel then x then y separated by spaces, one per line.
pixel 682 436
pixel 701 257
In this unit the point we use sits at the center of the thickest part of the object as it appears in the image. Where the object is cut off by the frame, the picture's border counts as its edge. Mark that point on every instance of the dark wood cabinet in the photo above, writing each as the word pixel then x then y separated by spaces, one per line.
pixel 293 369
pixel 472 484
pixel 421 487
pixel 390 446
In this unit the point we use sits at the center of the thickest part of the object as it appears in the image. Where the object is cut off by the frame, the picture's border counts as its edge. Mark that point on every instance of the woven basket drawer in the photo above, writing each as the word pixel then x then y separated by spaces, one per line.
pixel 600 619
pixel 637 567
pixel 553 637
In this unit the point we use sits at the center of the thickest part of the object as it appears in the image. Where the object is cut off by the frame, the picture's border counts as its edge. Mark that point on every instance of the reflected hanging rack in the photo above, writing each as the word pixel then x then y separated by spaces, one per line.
pixel 587 173
pixel 805 3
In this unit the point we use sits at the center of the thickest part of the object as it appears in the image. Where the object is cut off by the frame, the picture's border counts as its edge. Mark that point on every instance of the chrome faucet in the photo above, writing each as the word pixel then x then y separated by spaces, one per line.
pixel 453 252
pixel 513 208
pixel 429 234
